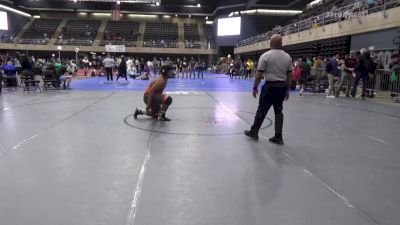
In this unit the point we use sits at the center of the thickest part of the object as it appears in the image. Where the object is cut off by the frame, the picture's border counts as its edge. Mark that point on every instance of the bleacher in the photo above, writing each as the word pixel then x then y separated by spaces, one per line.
pixel 121 33
pixel 192 36
pixel 161 35
pixel 79 32
pixel 40 31
pixel 209 35
pixel 331 12
pixel 6 38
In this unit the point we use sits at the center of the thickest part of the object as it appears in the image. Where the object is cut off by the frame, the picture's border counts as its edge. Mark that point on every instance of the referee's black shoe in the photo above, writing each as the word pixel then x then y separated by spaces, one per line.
pixel 277 140
pixel 251 134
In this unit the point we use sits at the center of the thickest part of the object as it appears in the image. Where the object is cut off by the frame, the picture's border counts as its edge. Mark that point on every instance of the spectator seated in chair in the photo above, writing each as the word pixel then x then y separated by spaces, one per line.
pixel 66 79
pixel 10 74
pixel 144 76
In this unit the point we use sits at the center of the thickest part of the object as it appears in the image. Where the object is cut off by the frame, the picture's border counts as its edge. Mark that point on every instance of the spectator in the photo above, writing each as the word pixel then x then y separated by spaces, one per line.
pixel 10 73
pixel 249 67
pixel 305 73
pixel 192 67
pixel 347 74
pixel 141 66
pixel 200 69
pixel 333 74
pixel 361 71
pixel 122 70
pixel 394 78
pixel 155 66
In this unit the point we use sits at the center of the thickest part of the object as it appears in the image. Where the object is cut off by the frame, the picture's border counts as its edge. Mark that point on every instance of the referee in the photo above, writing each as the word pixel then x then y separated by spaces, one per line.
pixel 276 67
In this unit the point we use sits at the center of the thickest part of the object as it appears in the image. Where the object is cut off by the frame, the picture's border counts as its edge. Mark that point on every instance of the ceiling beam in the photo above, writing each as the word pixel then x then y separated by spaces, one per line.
pixel 250 3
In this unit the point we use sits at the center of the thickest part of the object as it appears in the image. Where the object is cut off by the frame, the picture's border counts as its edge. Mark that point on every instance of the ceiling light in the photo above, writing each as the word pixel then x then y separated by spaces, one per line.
pixel 206 17
pixel 75 1
pixel 101 14
pixel 14 11
pixel 198 5
pixel 118 2
pixel 36 16
pixel 157 4
pixel 176 15
pixel 190 16
pixel 209 22
pixel 142 16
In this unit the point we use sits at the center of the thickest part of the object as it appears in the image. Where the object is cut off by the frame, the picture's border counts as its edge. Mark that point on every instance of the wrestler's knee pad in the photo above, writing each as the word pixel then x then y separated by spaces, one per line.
pixel 168 100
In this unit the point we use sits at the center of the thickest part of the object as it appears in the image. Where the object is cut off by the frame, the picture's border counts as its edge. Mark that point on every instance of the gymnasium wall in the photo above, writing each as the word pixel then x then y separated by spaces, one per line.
pixel 250 26
pixel 383 39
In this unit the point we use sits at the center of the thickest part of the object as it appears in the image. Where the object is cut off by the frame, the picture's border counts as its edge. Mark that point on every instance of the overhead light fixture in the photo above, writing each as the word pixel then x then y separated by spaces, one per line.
pixel 167 16
pixel 157 4
pixel 190 16
pixel 36 16
pixel 75 1
pixel 123 1
pixel 14 10
pixel 118 2
pixel 199 5
pixel 176 15
pixel 101 14
pixel 142 16
pixel 206 17
pixel 209 22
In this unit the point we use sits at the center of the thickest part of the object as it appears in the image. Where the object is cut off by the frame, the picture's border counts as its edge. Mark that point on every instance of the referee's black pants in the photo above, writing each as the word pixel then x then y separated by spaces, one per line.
pixel 272 94
pixel 109 73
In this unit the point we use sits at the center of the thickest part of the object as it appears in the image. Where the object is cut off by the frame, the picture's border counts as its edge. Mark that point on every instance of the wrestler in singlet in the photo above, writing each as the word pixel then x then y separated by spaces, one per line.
pixel 157 103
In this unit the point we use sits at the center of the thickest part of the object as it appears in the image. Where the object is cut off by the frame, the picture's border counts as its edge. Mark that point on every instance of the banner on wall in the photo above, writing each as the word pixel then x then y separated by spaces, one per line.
pixel 115 48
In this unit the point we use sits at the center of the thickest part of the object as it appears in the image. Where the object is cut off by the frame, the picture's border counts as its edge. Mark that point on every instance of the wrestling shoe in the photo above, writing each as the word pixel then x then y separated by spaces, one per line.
pixel 137 112
pixel 277 140
pixel 251 134
pixel 162 117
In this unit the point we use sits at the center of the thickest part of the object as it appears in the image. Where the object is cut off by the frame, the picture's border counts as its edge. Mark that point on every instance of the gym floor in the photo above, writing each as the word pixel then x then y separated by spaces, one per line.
pixel 78 157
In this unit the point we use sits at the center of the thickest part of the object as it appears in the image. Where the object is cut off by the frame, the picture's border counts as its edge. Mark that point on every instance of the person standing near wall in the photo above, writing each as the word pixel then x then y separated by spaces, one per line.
pixel 361 71
pixel 347 74
pixel 394 78
pixel 305 73
pixel 333 74
pixel 276 67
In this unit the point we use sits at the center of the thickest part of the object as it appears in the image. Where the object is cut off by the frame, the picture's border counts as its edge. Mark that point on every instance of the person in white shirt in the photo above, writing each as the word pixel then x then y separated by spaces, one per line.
pixel 130 67
pixel 276 68
pixel 85 62
pixel 109 64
